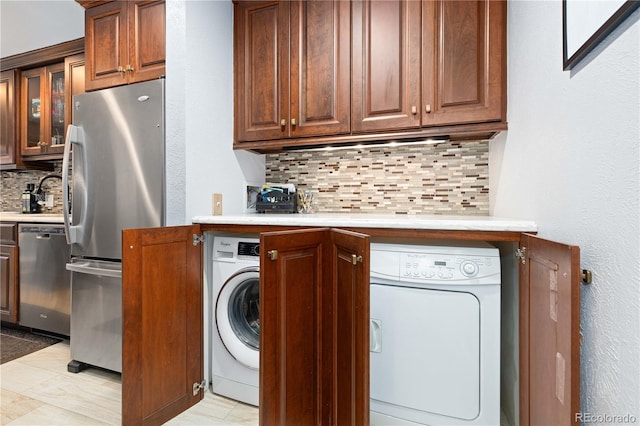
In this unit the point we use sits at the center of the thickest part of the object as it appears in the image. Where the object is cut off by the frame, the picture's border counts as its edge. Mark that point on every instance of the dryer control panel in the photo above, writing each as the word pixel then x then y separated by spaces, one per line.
pixel 451 264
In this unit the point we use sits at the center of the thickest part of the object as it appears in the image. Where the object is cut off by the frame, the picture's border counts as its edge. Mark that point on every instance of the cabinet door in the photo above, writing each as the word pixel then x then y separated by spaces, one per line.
pixel 162 346
pixel 146 40
pixel 549 332
pixel 8 129
pixel 385 82
pixel 314 336
pixel 43 113
pixel 106 45
pixel 463 61
pixel 320 68
pixel 261 39
pixel 9 283
pixel 74 81
pixel 33 112
pixel 56 106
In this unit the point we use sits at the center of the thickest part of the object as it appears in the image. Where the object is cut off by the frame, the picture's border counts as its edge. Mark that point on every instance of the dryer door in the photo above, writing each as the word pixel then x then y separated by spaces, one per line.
pixel 238 316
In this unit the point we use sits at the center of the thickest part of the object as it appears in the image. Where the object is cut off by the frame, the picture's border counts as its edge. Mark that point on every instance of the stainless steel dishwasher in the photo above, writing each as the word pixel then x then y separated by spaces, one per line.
pixel 45 296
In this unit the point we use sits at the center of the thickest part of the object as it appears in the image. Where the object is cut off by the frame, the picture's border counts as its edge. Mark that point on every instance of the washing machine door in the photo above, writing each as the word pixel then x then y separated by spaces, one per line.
pixel 238 316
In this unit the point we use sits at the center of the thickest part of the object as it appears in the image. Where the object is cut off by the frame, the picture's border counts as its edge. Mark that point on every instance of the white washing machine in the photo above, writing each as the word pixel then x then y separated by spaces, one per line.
pixel 435 334
pixel 235 313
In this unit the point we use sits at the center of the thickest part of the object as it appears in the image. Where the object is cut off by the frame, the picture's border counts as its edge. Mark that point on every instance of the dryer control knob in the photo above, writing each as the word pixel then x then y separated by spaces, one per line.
pixel 469 268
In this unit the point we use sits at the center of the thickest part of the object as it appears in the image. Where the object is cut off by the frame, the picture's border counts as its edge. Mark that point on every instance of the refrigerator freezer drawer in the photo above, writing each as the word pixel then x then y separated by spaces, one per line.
pixel 96 313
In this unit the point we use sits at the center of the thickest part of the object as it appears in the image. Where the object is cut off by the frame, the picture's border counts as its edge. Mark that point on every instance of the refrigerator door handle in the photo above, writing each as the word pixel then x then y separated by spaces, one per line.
pixel 75 136
pixel 85 268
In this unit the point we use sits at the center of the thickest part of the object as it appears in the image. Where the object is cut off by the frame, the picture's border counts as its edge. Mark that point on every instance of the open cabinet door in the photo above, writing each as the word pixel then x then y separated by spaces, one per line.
pixel 314 335
pixel 549 332
pixel 162 347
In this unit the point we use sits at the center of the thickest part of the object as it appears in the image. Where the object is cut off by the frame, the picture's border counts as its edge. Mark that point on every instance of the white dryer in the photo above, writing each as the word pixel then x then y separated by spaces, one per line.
pixel 435 334
pixel 235 312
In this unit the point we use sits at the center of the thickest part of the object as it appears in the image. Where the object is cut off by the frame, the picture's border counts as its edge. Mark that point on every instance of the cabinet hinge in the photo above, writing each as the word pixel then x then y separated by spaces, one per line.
pixel 522 255
pixel 197 386
pixel 197 239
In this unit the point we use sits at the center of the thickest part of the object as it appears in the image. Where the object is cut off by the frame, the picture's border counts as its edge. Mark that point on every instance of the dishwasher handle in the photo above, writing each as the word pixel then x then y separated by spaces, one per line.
pixel 86 268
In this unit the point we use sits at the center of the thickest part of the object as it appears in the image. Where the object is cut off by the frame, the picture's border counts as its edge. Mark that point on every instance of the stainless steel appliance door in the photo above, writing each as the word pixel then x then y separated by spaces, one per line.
pixel 96 313
pixel 118 166
pixel 45 297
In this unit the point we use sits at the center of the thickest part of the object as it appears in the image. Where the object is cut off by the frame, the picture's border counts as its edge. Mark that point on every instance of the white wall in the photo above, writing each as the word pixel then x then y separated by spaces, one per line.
pixel 200 55
pixel 29 25
pixel 571 162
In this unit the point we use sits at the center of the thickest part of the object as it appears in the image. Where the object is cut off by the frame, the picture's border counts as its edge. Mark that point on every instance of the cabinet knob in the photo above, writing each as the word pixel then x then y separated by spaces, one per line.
pixel 283 122
pixel 121 70
pixel 293 122
pixel 414 110
pixel 129 68
pixel 427 108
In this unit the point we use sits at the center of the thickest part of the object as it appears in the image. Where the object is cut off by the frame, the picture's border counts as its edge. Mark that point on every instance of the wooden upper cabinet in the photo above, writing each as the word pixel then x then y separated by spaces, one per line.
pixel 42 112
pixel 124 43
pixel 463 62
pixel 385 81
pixel 9 155
pixel 291 69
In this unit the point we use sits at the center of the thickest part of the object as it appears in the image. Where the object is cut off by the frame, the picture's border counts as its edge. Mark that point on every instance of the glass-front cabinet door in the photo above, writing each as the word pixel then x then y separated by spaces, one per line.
pixel 43 113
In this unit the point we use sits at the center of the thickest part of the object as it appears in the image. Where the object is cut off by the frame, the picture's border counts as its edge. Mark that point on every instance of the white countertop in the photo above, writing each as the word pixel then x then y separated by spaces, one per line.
pixel 364 220
pixel 31 218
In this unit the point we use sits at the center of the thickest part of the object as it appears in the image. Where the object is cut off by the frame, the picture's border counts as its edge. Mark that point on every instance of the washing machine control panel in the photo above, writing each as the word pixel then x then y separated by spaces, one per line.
pixel 431 267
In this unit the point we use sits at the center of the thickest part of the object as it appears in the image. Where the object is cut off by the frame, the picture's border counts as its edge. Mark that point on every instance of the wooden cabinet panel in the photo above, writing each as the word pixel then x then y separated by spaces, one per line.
pixel 385 65
pixel 106 46
pixel 320 55
pixel 262 97
pixel 147 40
pixel 9 283
pixel 292 69
pixel 314 336
pixel 74 81
pixel 9 155
pixel 463 62
pixel 124 43
pixel 162 347
pixel 549 282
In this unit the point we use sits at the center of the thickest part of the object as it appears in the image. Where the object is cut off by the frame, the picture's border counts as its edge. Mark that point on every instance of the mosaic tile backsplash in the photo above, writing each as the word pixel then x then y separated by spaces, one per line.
pixel 449 178
pixel 14 182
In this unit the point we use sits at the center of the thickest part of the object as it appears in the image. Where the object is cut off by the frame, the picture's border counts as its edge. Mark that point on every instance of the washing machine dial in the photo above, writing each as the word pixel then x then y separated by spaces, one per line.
pixel 469 268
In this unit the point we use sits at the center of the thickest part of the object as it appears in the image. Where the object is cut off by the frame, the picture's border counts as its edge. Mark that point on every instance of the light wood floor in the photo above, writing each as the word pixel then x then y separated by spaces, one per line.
pixel 38 390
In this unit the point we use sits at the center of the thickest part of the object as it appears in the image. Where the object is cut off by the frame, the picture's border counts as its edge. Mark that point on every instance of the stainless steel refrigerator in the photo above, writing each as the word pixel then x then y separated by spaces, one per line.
pixel 116 144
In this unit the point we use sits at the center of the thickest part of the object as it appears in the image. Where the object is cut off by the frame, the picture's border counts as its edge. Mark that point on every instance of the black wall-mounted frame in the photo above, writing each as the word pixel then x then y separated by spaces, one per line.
pixel 570 59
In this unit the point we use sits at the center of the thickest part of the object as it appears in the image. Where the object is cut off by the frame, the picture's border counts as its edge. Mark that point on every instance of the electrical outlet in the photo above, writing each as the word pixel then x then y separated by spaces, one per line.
pixel 216 201
pixel 48 201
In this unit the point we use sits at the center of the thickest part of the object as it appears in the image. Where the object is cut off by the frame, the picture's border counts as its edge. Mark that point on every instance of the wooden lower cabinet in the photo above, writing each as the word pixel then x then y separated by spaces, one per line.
pixel 549 312
pixel 9 283
pixel 314 337
pixel 162 346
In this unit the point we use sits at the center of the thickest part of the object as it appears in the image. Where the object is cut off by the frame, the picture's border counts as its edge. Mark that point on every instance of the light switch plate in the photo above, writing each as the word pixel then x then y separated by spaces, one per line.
pixel 216 204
